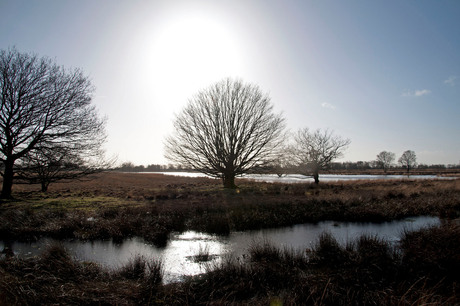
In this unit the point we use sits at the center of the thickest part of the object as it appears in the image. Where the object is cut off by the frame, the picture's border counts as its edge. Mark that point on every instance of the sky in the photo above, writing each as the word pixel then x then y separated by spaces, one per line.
pixel 385 74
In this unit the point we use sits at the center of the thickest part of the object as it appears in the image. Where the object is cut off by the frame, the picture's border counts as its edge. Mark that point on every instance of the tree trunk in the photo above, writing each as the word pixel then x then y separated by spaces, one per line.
pixel 229 181
pixel 7 180
pixel 45 186
pixel 316 177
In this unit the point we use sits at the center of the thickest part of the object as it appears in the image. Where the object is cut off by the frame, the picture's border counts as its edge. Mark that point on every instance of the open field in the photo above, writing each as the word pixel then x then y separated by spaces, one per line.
pixel 153 205
pixel 423 268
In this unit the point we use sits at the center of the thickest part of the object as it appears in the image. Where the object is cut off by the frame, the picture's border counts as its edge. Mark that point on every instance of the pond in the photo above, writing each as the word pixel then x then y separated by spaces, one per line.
pixel 178 256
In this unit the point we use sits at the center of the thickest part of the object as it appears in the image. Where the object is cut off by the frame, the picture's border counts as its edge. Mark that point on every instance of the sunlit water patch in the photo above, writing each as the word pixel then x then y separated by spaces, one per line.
pixel 299 178
pixel 181 255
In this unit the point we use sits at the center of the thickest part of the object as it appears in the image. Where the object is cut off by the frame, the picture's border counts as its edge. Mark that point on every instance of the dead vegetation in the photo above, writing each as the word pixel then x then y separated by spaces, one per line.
pixel 120 205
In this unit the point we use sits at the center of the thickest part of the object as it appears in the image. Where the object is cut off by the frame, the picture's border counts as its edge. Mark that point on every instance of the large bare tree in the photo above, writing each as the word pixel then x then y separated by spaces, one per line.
pixel 226 130
pixel 315 150
pixel 408 160
pixel 385 159
pixel 42 104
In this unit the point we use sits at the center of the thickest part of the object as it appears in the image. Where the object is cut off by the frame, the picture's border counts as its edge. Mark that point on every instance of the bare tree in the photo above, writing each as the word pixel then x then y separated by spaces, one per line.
pixel 41 104
pixel 62 162
pixel 284 161
pixel 226 130
pixel 315 151
pixel 385 159
pixel 408 160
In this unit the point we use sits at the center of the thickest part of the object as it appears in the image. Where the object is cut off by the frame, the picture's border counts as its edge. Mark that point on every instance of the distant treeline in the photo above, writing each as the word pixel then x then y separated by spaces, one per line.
pixel 130 167
pixel 337 166
pixel 367 165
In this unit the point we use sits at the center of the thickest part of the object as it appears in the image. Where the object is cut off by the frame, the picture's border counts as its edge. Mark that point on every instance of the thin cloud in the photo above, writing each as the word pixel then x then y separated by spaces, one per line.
pixel 416 93
pixel 423 92
pixel 450 80
pixel 328 105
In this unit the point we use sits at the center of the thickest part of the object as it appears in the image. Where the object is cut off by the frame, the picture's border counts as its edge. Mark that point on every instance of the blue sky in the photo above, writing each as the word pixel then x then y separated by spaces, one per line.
pixel 385 74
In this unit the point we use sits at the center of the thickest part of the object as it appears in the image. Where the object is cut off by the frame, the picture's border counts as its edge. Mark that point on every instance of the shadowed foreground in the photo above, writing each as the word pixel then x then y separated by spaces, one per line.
pixel 423 269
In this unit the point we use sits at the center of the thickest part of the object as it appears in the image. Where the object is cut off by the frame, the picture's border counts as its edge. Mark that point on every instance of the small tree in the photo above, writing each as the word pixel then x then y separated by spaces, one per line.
pixel 282 162
pixel 45 165
pixel 385 159
pixel 226 130
pixel 40 103
pixel 315 151
pixel 408 160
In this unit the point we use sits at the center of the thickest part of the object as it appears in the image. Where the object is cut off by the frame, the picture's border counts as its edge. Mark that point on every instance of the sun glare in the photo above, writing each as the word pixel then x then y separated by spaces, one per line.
pixel 192 51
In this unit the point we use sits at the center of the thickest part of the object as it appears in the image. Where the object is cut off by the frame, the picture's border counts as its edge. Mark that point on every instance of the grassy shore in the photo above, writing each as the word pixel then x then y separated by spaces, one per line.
pixel 423 268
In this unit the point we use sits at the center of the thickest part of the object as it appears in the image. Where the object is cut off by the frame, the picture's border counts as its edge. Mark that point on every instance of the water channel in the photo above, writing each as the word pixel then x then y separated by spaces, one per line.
pixel 177 256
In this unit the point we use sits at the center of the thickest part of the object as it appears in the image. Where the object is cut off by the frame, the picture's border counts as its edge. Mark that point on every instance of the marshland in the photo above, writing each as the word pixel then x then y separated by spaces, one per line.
pixel 421 267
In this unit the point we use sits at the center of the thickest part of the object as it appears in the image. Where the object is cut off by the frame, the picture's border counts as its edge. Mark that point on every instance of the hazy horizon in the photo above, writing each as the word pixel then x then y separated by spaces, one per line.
pixel 385 74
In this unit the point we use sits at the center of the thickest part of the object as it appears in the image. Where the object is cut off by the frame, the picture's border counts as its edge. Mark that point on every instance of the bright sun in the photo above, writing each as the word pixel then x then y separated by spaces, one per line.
pixel 192 51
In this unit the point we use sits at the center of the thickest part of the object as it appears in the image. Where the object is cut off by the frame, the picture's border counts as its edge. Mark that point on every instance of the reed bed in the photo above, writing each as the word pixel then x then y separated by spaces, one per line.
pixel 368 271
pixel 424 268
pixel 54 278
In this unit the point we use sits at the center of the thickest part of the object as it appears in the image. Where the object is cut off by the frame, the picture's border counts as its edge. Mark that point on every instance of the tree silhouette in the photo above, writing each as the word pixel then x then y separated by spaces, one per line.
pixel 42 104
pixel 408 160
pixel 226 130
pixel 45 165
pixel 315 150
pixel 385 159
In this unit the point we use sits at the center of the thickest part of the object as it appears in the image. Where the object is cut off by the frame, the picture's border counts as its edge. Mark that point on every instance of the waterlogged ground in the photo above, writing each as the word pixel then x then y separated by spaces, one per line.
pixel 181 256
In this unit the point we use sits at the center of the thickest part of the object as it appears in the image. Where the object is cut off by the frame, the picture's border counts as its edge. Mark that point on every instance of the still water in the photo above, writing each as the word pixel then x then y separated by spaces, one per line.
pixel 299 178
pixel 178 255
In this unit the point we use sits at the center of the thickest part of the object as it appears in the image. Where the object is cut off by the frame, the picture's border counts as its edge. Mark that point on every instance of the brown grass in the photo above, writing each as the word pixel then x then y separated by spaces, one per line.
pixel 120 205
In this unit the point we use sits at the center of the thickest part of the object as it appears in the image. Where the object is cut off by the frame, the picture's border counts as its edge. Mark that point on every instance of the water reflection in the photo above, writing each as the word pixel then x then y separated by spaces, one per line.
pixel 179 255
